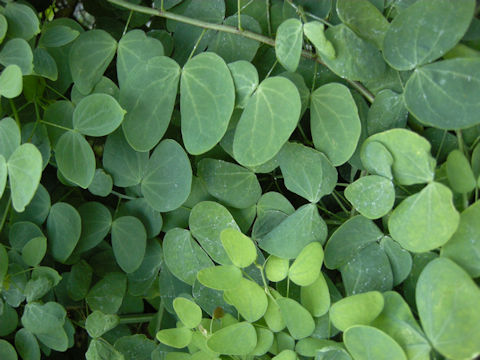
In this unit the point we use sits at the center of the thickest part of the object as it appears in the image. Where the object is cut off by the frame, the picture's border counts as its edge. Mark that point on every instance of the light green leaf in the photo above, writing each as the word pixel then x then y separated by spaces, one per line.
pixel 230 183
pixel 220 277
pixel 373 196
pixel 7 351
pixel 459 173
pixel 307 172
pixel 269 118
pixel 447 301
pixel 24 173
pixel 148 94
pixel 299 322
pixel 335 123
pixel 108 293
pixel 310 346
pixel 347 64
pixel 97 115
pixel 183 256
pixel 236 339
pixel 359 309
pixel 75 159
pixel 240 248
pixel 332 353
pixel 135 48
pixel 207 98
pixel 316 297
pixel 286 354
pixel 90 55
pixel 245 79
pixel 288 43
pixel 425 220
pixel 17 52
pixel 168 177
pixel 34 251
pixel 359 339
pixel 57 36
pixel 276 269
pixel 63 227
pixel 273 316
pixel 9 137
pixel 188 312
pixel 445 94
pixel 288 238
pixel 306 267
pixel 363 18
pixel 248 298
pixel 314 31
pixel 3 174
pixel 98 323
pixel 11 84
pixel 438 27
pixel 22 21
pixel 129 241
pixel 27 345
pixel 264 341
pixel 176 338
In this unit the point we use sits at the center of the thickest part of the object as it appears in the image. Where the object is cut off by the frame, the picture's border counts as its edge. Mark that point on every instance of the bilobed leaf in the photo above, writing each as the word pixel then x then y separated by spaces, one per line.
pixel 359 309
pixel 22 21
pixel 236 339
pixel 314 31
pixel 90 55
pixel 288 43
pixel 97 115
pixel 248 298
pixel 221 277
pixel 168 177
pixel 240 248
pixel 299 322
pixel 129 240
pixel 75 158
pixel 445 94
pixel 24 173
pixel 63 227
pixel 267 122
pixel 446 300
pixel 207 98
pixel 306 267
pixel 148 95
pixel 425 220
pixel 438 27
pixel 335 123
pixel 11 82
pixel 307 172
pixel 43 318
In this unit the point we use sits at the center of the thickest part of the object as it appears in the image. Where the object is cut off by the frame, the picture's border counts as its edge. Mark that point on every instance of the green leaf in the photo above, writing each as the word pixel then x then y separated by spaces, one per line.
pixel 148 94
pixel 373 196
pixel 438 27
pixel 399 258
pixel 136 346
pixel 447 301
pixel 230 183
pixel 102 183
pixel 90 55
pixel 22 21
pixel 75 159
pixel 459 173
pixel 176 338
pixel 425 220
pixel 98 323
pixel 129 241
pixel 221 277
pixel 57 36
pixel 3 265
pixel 168 177
pixel 17 52
pixel 377 159
pixel 288 43
pixel 264 341
pixel 299 322
pixel 79 280
pixel 34 251
pixel 11 84
pixel 310 346
pixel 27 345
pixel 273 317
pixel 267 122
pixel 9 137
pixel 126 165
pixel 183 256
pixel 236 339
pixel 335 123
pixel 276 269
pixel 107 294
pixel 307 172
pixel 297 230
pixel 314 31
pixel 63 227
pixel 359 309
pixel 388 111
pixel 248 298
pixel 3 174
pixel 7 351
pixel 206 222
pixel 43 318
pixel 97 115
pixel 359 339
pixel 347 64
pixel 59 113
pixel 351 237
pixel 44 64
pixel 245 79
pixel 96 223
pixel 188 312
pixel 316 297
pixel 151 219
pixel 207 98
pixel 286 354
pixel 135 48
pixel 433 93
pixel 306 267
pixel 100 350
pixel 24 173
pixel 3 27
pixel 365 19
pixel 239 247
pixel 332 353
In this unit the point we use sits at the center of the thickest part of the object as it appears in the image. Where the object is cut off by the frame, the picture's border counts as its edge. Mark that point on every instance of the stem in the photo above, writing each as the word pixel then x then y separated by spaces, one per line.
pixel 239 14
pixel 269 21
pixel 337 199
pixel 136 318
pixel 55 125
pixel 460 141
pixel 441 145
pixel 271 69
pixel 128 22
pixel 5 213
pixel 122 196
pixel 196 44
pixel 314 76
pixel 310 15
pixel 232 30
pixel 57 92
pixel 15 113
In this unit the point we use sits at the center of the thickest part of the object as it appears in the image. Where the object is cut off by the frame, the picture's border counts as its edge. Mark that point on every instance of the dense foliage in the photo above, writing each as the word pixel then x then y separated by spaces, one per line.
pixel 204 179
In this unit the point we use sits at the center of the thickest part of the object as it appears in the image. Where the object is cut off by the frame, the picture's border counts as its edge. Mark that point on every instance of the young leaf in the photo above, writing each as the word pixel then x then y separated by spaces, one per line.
pixel 276 269
pixel 316 297
pixel 288 43
pixel 299 322
pixel 176 338
pixel 306 267
pixel 314 31
pixel 34 250
pixel 221 277
pixel 248 298
pixel 129 240
pixel 11 84
pixel 188 312
pixel 399 258
pixel 236 339
pixel 239 247
pixel 245 79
